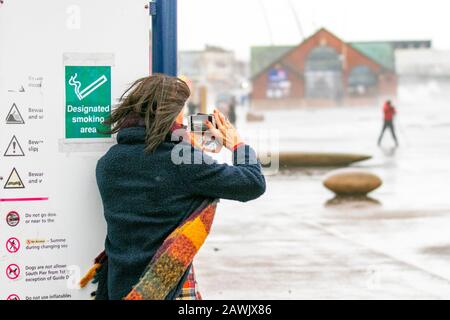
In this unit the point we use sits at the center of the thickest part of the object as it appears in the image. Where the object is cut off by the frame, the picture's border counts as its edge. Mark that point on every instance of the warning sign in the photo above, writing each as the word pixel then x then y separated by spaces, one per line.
pixel 14 116
pixel 14 149
pixel 88 101
pixel 12 245
pixel 14 181
pixel 13 271
pixel 12 219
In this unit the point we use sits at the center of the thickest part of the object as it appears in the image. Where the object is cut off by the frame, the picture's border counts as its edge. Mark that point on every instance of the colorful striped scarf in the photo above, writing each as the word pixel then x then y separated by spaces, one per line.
pixel 173 258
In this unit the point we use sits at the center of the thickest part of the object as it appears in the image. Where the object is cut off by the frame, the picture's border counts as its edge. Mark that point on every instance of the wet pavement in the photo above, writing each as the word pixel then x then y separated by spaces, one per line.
pixel 294 243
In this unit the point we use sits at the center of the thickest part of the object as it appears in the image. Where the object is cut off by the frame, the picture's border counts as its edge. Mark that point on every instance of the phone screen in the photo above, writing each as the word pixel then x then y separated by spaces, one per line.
pixel 198 122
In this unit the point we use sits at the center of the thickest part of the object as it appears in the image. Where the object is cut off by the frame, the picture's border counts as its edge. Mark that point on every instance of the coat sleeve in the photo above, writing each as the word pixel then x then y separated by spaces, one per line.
pixel 243 181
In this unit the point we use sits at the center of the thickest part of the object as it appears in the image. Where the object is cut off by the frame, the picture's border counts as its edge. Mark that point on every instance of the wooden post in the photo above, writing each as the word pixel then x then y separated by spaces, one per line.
pixel 203 99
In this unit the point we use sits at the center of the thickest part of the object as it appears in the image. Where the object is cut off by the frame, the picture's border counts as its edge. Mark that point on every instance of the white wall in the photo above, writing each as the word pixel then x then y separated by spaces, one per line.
pixel 34 35
pixel 423 62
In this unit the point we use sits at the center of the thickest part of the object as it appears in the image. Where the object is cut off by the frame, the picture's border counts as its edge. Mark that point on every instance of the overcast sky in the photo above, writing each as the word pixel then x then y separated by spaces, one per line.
pixel 239 24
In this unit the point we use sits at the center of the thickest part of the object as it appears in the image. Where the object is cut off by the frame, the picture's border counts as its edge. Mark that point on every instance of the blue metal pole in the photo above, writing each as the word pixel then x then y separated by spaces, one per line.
pixel 164 37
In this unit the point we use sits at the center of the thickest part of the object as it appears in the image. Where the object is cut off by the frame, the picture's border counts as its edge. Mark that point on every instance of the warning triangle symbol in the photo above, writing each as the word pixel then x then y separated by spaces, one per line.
pixel 14 116
pixel 14 149
pixel 14 181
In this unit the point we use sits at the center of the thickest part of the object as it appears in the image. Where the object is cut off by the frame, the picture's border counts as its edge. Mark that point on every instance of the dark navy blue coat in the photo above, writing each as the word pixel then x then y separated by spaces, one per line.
pixel 146 196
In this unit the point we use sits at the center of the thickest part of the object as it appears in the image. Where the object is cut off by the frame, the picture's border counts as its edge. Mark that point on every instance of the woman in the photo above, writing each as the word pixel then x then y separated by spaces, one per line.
pixel 146 195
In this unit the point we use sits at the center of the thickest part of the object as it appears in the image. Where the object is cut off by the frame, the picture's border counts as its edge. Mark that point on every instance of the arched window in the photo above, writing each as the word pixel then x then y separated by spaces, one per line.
pixel 323 74
pixel 323 59
pixel 362 80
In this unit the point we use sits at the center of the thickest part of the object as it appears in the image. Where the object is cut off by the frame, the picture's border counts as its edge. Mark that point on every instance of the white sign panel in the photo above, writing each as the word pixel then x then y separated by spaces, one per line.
pixel 63 64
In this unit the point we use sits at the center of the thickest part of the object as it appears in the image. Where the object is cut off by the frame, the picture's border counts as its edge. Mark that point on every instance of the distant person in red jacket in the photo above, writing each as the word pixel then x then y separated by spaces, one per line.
pixel 389 114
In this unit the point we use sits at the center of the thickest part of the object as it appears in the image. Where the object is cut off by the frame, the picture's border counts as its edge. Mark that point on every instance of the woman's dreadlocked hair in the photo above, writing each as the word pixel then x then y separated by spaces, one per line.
pixel 156 100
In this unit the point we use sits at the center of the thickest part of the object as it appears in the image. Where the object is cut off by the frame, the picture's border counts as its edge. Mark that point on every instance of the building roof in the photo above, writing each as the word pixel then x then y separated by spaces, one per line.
pixel 382 52
pixel 264 56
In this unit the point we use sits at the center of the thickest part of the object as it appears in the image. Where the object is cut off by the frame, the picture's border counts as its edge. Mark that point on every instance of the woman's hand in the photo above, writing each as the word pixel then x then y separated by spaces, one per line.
pixel 225 132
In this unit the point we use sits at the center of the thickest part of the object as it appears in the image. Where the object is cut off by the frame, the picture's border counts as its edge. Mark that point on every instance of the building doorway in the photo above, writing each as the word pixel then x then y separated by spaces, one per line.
pixel 323 74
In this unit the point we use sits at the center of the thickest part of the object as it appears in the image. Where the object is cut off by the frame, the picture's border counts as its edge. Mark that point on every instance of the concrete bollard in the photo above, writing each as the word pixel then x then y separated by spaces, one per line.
pixel 352 182
pixel 315 160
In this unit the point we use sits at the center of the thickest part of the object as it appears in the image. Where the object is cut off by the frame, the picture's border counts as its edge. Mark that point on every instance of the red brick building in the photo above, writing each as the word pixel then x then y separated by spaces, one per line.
pixel 323 70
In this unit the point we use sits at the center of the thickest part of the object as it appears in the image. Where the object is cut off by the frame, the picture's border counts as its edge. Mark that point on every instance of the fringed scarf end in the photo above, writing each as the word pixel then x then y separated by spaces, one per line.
pixel 89 275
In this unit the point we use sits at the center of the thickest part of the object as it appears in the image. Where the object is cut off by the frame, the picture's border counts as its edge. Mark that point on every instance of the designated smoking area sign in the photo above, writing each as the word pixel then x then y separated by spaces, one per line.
pixel 88 101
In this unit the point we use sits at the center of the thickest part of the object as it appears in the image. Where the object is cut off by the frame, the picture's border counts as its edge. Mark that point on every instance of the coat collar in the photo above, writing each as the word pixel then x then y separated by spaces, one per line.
pixel 132 135
pixel 136 135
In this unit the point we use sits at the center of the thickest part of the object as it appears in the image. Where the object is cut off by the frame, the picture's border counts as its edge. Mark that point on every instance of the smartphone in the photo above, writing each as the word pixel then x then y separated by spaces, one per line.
pixel 197 122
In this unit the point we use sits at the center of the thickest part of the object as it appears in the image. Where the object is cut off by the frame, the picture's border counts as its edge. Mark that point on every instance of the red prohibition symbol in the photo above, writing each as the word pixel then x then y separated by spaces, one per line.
pixel 12 219
pixel 13 245
pixel 13 297
pixel 13 271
